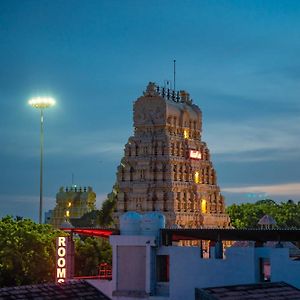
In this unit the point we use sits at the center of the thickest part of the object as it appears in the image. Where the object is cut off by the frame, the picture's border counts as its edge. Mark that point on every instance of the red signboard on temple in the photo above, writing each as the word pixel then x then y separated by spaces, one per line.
pixel 195 154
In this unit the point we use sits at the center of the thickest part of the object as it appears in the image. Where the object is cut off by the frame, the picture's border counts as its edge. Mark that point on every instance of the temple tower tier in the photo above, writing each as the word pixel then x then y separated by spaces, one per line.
pixel 166 166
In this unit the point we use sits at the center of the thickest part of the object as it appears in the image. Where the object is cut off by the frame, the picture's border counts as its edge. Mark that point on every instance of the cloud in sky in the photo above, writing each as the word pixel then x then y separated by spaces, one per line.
pixel 272 190
pixel 239 60
pixel 253 140
pixel 277 192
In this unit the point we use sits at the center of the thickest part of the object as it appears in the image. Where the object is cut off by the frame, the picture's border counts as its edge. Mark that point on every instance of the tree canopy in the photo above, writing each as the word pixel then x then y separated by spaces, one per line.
pixel 27 252
pixel 89 253
pixel 102 217
pixel 246 215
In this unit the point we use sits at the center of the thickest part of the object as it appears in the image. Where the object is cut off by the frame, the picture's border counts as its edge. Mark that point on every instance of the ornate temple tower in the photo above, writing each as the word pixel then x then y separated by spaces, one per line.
pixel 166 166
pixel 72 203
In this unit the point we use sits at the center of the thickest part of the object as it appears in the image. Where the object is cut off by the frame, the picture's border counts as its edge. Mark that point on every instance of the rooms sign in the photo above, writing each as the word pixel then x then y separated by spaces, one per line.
pixel 64 259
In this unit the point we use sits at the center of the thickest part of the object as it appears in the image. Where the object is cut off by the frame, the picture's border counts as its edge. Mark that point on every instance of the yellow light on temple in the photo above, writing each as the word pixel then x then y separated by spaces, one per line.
pixel 69 204
pixel 197 177
pixel 203 206
pixel 185 133
pixel 67 213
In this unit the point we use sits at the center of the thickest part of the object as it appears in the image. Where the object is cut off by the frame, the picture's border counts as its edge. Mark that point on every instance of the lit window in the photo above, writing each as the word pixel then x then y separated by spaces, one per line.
pixel 203 206
pixel 197 177
pixel 185 133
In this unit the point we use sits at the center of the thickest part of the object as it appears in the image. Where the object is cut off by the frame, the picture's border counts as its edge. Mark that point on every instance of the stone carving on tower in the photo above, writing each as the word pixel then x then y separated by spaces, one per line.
pixel 166 166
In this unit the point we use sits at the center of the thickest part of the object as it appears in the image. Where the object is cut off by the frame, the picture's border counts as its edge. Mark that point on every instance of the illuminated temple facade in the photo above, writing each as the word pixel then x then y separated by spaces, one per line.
pixel 72 203
pixel 166 166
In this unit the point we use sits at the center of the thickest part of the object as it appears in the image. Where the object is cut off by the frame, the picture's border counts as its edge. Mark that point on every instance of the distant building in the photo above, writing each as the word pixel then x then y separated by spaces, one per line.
pixel 48 215
pixel 166 166
pixel 72 203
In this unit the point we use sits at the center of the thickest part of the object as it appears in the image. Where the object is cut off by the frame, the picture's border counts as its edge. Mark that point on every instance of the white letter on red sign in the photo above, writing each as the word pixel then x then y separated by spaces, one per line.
pixel 62 241
pixel 61 273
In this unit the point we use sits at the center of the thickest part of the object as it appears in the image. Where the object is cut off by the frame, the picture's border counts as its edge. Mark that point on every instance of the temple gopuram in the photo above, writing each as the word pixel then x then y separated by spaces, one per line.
pixel 72 203
pixel 166 166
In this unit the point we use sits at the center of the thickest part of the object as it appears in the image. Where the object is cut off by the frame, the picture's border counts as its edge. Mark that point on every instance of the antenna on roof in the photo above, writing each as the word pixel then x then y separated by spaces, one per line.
pixel 174 68
pixel 72 179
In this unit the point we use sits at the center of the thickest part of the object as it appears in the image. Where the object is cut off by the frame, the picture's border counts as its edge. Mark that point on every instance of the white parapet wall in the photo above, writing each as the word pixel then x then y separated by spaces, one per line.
pixel 135 259
pixel 132 261
pixel 240 266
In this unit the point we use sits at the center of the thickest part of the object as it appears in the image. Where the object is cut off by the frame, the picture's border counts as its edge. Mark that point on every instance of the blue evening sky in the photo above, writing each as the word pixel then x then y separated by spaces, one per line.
pixel 239 60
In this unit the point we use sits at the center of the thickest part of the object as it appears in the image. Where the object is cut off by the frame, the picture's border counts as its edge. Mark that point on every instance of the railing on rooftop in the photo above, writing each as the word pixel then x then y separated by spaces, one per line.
pixel 176 96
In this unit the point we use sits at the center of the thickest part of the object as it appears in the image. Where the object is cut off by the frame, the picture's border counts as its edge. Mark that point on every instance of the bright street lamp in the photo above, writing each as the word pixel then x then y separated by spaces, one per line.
pixel 41 103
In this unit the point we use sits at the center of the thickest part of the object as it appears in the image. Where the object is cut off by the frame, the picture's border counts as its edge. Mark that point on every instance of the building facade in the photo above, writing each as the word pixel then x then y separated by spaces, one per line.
pixel 166 166
pixel 72 203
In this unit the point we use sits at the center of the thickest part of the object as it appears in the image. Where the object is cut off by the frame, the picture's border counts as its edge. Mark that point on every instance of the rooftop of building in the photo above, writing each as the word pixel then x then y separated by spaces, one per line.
pixel 217 234
pixel 66 291
pixel 259 291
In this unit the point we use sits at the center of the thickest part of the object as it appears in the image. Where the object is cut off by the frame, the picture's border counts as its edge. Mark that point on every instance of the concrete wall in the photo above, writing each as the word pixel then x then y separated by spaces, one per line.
pixel 284 269
pixel 241 265
pixel 119 280
pixel 131 268
pixel 188 270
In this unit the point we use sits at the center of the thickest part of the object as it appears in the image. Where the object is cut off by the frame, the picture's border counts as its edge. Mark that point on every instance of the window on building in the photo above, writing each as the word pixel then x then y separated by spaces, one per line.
pixel 186 133
pixel 145 150
pixel 264 270
pixel 162 268
pixel 164 169
pixel 175 121
pixel 165 206
pixel 197 177
pixel 122 174
pixel 155 149
pixel 131 173
pixel 203 206
pixel 172 149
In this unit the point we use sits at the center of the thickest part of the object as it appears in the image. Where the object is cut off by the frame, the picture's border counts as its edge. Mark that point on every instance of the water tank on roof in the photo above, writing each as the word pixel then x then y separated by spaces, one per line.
pixel 130 223
pixel 152 222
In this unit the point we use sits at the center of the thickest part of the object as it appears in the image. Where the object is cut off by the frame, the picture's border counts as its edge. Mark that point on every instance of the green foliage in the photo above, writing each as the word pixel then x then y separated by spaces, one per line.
pixel 247 215
pixel 108 207
pixel 87 220
pixel 89 253
pixel 27 252
pixel 102 217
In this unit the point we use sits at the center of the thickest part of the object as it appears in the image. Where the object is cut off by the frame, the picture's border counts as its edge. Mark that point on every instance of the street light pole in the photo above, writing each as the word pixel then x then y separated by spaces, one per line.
pixel 41 103
pixel 41 165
